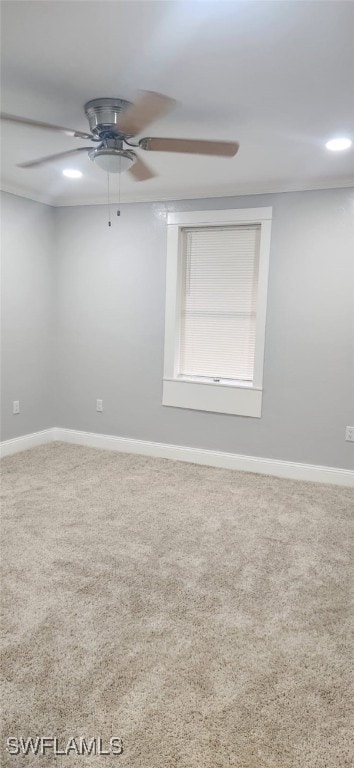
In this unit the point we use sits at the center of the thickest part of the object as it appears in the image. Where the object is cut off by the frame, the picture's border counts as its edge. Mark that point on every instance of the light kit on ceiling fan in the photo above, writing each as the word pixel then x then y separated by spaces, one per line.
pixel 112 162
pixel 113 123
pixel 111 158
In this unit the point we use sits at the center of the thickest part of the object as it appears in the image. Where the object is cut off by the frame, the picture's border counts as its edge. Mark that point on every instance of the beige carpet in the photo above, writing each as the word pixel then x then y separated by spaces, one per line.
pixel 201 615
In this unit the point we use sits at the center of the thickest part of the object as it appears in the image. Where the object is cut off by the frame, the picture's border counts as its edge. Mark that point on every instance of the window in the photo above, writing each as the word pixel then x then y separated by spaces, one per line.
pixel 216 290
pixel 218 302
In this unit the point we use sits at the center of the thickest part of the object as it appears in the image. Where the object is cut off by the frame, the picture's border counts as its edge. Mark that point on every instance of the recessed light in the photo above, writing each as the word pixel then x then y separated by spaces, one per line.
pixel 337 145
pixel 72 173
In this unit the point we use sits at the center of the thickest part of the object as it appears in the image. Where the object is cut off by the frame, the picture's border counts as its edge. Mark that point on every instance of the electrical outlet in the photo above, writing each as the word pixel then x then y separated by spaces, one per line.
pixel 99 406
pixel 16 407
pixel 349 434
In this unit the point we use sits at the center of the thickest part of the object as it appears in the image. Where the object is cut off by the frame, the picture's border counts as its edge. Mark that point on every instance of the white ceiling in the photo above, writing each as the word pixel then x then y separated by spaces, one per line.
pixel 276 76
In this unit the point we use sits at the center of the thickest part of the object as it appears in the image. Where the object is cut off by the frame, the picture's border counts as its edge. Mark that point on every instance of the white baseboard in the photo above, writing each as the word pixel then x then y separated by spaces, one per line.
pixel 287 469
pixel 17 444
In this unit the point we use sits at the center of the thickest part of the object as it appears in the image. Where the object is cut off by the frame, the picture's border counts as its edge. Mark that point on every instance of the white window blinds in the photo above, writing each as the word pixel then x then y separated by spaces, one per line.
pixel 218 303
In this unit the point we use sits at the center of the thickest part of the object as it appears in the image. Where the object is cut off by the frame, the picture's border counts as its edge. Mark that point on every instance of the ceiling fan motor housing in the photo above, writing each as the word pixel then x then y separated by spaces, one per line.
pixel 103 115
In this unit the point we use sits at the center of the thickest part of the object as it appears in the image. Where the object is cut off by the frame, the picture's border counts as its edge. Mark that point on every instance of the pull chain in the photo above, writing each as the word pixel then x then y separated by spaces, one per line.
pixel 108 202
pixel 119 175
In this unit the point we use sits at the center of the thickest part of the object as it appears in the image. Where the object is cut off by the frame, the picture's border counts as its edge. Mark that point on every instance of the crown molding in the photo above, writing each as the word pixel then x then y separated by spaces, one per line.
pixel 37 197
pixel 194 194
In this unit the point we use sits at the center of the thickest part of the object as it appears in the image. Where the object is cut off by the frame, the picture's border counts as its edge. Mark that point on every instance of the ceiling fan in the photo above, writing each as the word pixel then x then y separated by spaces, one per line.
pixel 113 123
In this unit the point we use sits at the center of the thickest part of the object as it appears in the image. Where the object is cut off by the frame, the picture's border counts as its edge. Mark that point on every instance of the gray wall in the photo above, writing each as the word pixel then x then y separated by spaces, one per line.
pixel 26 315
pixel 83 317
pixel 111 293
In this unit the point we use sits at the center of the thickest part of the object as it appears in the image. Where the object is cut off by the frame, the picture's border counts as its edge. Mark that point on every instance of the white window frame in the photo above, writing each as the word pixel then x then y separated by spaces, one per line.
pixel 240 398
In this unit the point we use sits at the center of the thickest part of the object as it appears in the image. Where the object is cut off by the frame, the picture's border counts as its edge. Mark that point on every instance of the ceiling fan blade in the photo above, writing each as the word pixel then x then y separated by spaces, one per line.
pixel 191 146
pixel 52 158
pixel 141 171
pixel 46 126
pixel 149 107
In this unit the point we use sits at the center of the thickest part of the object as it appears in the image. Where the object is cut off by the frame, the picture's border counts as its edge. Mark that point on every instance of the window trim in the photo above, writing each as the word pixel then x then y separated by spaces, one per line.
pixel 240 398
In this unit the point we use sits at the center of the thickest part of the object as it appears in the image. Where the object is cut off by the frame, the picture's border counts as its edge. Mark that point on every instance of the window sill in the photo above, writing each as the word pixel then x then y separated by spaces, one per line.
pixel 239 399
